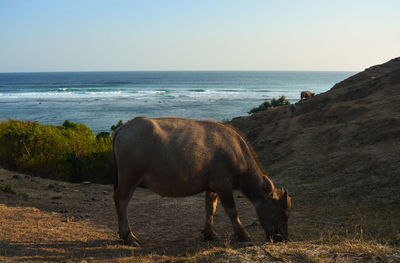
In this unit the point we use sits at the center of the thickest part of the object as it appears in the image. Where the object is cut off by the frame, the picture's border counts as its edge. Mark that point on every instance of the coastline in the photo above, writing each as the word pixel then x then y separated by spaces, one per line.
pixel 337 155
pixel 100 99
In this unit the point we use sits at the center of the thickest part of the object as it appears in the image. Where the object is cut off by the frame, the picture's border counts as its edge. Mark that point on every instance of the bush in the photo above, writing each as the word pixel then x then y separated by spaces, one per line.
pixel 103 135
pixel 68 152
pixel 115 127
pixel 273 103
pixel 279 102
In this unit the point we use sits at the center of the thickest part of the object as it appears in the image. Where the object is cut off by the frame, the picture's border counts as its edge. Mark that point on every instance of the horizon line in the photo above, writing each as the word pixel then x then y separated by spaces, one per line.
pixel 236 70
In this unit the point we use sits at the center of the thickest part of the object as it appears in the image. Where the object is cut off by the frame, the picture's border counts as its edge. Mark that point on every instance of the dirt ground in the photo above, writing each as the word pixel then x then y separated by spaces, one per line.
pixel 57 220
pixel 47 221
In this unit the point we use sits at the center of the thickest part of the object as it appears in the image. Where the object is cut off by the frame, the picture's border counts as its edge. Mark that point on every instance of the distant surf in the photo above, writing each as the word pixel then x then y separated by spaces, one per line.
pixel 100 99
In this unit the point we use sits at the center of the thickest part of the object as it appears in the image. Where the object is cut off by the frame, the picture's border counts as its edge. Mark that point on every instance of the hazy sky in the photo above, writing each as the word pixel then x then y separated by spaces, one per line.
pixel 89 35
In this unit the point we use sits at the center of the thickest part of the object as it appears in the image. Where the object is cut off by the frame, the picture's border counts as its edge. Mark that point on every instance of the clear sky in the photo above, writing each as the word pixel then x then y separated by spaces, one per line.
pixel 91 35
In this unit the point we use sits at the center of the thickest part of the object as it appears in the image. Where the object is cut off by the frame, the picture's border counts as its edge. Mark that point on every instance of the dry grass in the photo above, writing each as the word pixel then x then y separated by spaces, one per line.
pixel 81 227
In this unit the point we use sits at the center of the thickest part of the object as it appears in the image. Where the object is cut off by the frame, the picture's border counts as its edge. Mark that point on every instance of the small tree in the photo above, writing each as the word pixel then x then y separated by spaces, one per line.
pixel 273 103
pixel 103 134
pixel 69 124
pixel 119 124
pixel 279 102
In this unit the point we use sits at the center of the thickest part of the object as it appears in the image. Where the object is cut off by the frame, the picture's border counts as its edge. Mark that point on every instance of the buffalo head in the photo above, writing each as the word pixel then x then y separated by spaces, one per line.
pixel 274 212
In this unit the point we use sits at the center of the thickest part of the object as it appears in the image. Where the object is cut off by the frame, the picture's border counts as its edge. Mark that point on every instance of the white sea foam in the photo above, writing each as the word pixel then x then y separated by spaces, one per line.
pixel 69 94
pixel 205 94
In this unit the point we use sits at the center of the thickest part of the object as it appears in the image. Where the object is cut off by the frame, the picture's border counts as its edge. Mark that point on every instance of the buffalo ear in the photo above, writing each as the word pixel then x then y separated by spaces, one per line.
pixel 268 186
pixel 285 199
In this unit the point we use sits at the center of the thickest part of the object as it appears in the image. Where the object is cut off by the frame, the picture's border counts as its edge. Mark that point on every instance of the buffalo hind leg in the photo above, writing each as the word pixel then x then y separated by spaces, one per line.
pixel 228 203
pixel 211 207
pixel 121 199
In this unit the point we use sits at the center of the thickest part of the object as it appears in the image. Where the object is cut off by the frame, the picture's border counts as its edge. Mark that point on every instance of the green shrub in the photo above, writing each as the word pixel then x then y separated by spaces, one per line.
pixel 270 104
pixel 279 102
pixel 115 127
pixel 68 152
pixel 68 124
pixel 265 105
pixel 102 135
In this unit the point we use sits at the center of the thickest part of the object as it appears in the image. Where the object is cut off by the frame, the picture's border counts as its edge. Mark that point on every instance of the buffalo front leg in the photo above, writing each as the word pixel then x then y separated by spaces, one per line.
pixel 121 199
pixel 230 208
pixel 211 207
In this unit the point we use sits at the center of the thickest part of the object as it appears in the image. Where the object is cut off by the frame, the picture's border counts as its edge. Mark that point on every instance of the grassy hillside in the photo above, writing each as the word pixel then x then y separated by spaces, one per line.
pixel 338 154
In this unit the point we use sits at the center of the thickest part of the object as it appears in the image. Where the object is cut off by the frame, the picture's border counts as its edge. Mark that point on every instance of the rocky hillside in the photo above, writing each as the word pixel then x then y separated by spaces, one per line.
pixel 342 143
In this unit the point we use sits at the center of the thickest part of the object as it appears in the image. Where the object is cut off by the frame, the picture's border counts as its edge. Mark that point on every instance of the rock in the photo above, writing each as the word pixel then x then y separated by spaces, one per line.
pixel 56 197
pixel 50 186
pixel 16 176
pixel 27 177
pixel 85 183
pixel 105 192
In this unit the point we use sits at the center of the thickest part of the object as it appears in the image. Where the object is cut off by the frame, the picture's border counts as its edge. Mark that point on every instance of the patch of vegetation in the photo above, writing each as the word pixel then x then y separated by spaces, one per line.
pixel 68 152
pixel 7 189
pixel 270 104
pixel 103 135
pixel 115 127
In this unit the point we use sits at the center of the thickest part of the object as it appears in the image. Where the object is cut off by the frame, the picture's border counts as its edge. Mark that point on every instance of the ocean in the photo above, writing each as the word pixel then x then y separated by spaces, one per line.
pixel 100 99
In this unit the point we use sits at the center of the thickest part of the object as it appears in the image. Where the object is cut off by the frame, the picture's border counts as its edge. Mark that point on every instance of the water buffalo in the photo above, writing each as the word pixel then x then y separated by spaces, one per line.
pixel 180 157
pixel 305 95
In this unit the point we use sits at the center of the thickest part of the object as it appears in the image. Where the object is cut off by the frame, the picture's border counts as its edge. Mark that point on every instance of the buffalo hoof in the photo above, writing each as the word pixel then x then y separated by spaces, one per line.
pixel 243 238
pixel 211 236
pixel 131 240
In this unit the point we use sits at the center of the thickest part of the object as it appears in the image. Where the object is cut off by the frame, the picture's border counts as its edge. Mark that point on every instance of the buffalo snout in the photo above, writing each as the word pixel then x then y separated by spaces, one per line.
pixel 277 238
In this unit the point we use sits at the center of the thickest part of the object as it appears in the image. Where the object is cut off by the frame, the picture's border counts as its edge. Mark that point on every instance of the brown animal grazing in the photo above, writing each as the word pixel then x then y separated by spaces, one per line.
pixel 181 157
pixel 305 95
